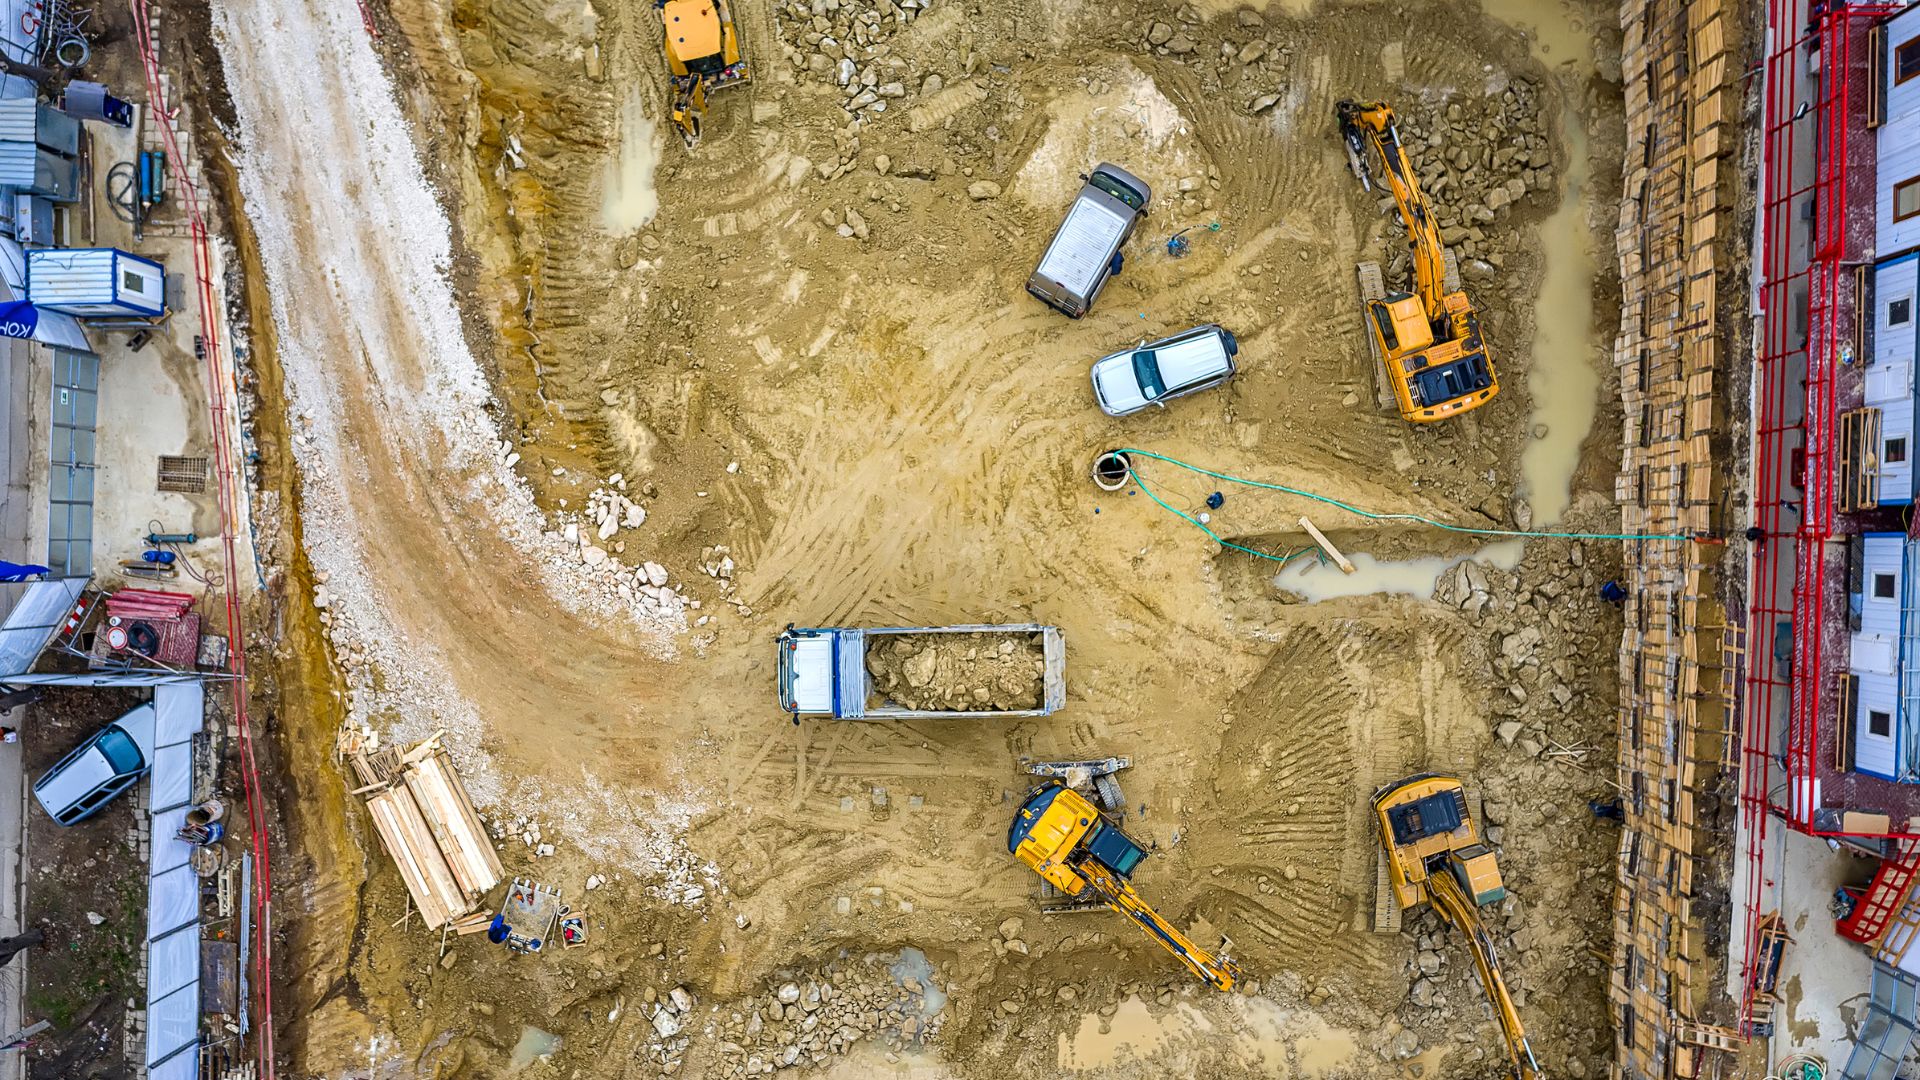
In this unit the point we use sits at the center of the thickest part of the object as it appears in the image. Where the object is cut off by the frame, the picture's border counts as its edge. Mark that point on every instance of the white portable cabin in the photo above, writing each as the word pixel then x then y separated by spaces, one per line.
pixel 1889 379
pixel 1897 187
pixel 1876 657
pixel 96 281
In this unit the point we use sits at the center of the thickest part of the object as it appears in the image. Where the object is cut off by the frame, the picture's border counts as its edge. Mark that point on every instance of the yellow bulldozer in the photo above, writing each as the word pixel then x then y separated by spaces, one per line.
pixel 1434 855
pixel 703 55
pixel 1427 340
pixel 1081 853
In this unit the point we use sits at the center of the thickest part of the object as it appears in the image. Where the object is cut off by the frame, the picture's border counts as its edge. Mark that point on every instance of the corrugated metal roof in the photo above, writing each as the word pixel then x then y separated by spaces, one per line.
pixel 17 119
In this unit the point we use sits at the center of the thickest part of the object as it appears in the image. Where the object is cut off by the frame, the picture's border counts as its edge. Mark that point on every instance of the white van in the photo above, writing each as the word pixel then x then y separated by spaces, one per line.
pixel 1085 250
pixel 1154 373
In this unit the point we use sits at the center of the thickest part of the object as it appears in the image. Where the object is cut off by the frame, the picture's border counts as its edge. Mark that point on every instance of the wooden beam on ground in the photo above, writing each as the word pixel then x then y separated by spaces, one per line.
pixel 1326 545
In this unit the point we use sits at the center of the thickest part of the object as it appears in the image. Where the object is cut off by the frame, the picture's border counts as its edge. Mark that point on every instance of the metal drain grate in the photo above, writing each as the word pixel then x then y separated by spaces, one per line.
pixel 188 474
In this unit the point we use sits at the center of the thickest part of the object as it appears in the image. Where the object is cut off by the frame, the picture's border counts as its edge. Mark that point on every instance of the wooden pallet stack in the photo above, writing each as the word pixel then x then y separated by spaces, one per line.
pixel 429 826
pixel 1675 208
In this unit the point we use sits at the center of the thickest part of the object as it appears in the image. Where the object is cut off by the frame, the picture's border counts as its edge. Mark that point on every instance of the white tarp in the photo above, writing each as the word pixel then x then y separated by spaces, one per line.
pixel 179 709
pixel 38 615
pixel 173 891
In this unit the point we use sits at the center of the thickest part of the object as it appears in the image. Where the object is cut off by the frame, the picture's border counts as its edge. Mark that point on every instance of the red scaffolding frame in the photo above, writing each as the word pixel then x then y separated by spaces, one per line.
pixel 220 383
pixel 1804 176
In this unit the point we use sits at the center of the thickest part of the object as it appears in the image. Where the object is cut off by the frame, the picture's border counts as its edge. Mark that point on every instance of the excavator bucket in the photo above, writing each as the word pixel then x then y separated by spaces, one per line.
pixel 689 108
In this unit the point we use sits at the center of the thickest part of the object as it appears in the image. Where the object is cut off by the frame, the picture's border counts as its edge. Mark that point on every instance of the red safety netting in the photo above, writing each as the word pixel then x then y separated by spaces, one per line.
pixel 219 383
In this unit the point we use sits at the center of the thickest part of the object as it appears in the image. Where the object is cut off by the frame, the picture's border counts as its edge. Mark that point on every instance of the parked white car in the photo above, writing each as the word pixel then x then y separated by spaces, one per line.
pixel 94 772
pixel 1153 373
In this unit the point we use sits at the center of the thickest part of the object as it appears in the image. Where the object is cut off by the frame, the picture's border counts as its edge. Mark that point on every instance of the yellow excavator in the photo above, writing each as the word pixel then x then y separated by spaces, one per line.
pixel 703 55
pixel 1427 340
pixel 1435 855
pixel 1081 852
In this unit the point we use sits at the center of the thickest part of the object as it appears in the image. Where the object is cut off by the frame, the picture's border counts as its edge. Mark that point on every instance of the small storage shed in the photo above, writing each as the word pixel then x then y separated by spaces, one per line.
pixel 96 281
pixel 1897 198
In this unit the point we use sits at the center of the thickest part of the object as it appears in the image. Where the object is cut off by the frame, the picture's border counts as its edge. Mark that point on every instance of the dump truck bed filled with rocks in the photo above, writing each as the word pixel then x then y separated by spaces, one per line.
pixel 979 672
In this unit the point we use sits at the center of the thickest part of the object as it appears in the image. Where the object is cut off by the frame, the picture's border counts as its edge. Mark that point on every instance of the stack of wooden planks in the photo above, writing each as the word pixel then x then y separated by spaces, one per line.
pixel 423 815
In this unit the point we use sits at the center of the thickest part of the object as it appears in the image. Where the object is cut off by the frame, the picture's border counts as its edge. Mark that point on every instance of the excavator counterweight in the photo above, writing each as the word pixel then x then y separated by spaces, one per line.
pixel 1427 340
pixel 1081 852
pixel 1435 855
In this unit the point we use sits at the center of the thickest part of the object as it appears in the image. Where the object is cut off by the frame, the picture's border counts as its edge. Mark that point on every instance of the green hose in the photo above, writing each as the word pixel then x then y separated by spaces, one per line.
pixel 1351 509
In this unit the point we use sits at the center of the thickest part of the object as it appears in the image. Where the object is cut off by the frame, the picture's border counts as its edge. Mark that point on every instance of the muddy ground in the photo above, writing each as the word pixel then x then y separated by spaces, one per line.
pixel 803 351
pixel 87 893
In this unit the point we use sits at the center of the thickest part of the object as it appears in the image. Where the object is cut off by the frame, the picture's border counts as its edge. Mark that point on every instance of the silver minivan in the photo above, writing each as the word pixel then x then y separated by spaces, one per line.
pixel 1153 373
pixel 1085 250
pixel 94 772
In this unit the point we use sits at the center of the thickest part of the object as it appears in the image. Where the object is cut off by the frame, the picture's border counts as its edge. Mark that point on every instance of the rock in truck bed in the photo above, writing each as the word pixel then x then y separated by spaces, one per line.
pixel 985 672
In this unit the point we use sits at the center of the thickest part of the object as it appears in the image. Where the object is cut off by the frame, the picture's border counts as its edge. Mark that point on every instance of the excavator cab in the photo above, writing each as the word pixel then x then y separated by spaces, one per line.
pixel 1401 323
pixel 1478 873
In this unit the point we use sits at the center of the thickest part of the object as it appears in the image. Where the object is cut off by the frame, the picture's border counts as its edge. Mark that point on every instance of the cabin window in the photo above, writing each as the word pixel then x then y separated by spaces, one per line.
pixel 1879 723
pixel 1883 586
pixel 1900 311
pixel 1896 450
pixel 1906 199
pixel 1906 60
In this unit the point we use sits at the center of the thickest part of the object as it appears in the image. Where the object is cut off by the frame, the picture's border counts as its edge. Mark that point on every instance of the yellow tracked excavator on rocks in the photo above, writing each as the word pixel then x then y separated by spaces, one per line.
pixel 1435 855
pixel 1081 852
pixel 703 55
pixel 1428 340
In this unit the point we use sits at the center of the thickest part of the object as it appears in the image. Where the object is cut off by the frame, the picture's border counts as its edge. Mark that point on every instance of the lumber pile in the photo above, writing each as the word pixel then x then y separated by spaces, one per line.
pixel 1680 86
pixel 428 824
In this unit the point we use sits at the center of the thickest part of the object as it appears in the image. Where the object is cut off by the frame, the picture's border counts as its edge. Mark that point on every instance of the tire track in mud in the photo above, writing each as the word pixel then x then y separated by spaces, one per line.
pixel 1336 712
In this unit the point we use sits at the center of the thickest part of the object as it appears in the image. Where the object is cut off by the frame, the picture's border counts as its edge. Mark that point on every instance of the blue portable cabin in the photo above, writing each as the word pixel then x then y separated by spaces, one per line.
pixel 1884 660
pixel 96 282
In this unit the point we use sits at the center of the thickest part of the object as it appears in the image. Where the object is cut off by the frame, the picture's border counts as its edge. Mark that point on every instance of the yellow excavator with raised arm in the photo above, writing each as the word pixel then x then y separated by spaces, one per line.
pixel 1435 855
pixel 703 54
pixel 1081 852
pixel 1428 339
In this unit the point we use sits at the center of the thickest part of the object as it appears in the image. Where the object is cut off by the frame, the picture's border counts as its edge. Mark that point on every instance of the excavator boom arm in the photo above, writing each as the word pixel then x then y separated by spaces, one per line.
pixel 1121 897
pixel 1371 124
pixel 1451 901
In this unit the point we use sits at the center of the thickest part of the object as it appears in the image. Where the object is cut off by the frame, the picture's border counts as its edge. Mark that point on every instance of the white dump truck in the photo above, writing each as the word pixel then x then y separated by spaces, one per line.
pixel 904 672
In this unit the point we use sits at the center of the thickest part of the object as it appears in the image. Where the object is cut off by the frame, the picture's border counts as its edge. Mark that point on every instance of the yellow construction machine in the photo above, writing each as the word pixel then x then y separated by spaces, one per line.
pixel 1427 340
pixel 703 55
pixel 1435 855
pixel 1081 852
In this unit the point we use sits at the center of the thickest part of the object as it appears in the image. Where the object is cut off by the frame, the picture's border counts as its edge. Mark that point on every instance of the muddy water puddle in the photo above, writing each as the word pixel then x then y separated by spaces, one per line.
pixel 629 201
pixel 1314 581
pixel 1262 1034
pixel 534 1046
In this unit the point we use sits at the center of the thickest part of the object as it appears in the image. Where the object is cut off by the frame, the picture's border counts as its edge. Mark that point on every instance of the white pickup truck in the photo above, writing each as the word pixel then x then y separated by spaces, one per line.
pixel 825 671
